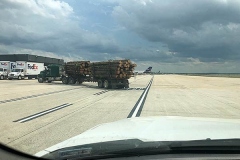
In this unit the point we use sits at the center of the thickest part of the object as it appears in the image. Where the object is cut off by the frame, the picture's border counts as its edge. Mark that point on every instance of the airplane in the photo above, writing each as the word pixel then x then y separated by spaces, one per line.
pixel 148 70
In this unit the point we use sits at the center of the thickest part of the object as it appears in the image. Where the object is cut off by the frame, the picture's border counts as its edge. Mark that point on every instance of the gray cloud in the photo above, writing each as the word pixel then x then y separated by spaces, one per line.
pixel 207 30
pixel 149 54
pixel 178 36
pixel 49 26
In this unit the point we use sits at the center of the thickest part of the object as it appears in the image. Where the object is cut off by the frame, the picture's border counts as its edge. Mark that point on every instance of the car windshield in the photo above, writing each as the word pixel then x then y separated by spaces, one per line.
pixel 87 72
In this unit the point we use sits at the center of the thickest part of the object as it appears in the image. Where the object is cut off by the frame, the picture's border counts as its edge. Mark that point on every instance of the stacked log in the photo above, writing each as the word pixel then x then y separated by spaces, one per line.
pixel 78 68
pixel 120 69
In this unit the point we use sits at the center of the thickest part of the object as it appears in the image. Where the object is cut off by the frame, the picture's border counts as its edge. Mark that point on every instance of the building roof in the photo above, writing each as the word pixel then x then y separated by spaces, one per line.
pixel 31 58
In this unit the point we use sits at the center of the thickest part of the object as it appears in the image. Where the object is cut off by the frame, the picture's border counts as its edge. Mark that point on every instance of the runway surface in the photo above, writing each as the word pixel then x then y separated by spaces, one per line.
pixel 36 116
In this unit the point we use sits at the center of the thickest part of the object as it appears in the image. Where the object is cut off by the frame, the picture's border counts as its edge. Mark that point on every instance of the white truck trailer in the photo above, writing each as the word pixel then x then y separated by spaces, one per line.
pixel 26 69
pixel 5 68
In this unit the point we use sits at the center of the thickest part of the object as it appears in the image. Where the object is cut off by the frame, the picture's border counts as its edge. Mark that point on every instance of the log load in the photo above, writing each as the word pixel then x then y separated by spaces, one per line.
pixel 116 69
pixel 119 69
pixel 77 68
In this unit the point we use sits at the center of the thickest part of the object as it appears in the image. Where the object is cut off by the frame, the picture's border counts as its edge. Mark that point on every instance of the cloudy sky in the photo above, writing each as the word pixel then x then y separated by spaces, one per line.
pixel 171 36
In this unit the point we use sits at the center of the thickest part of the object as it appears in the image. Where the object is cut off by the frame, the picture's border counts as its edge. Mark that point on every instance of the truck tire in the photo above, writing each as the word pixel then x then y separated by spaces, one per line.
pixel 9 78
pixel 100 84
pixel 126 85
pixel 80 81
pixel 49 81
pixel 106 84
pixel 40 80
pixel 72 80
pixel 1 77
pixel 65 80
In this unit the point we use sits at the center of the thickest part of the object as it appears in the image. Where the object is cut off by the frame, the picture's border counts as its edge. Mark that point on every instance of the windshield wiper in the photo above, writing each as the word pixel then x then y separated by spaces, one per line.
pixel 135 147
pixel 106 149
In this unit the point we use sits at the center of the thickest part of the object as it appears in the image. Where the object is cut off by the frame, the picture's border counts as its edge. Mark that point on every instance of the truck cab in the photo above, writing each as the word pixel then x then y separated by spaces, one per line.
pixel 5 68
pixel 50 73
pixel 3 73
pixel 16 73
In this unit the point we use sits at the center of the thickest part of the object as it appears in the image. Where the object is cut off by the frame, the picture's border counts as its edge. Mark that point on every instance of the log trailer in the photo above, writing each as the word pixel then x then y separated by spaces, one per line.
pixel 108 74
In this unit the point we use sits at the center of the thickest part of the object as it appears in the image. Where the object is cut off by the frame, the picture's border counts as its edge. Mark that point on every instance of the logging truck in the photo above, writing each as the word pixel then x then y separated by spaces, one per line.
pixel 109 74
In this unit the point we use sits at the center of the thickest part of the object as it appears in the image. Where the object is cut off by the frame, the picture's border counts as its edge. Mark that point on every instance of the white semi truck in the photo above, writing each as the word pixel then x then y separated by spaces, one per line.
pixel 26 69
pixel 5 68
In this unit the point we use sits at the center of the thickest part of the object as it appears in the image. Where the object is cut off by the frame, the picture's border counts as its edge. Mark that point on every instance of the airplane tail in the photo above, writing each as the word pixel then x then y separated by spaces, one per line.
pixel 148 70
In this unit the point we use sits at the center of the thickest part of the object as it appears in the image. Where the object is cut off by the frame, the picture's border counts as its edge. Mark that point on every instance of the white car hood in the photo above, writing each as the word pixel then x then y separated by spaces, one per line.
pixel 155 129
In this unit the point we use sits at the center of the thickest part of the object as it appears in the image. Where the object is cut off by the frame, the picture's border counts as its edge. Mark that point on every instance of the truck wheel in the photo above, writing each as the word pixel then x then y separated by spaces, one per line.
pixel 65 80
pixel 126 85
pixel 9 78
pixel 71 80
pixel 40 80
pixel 80 81
pixel 49 81
pixel 1 77
pixel 100 84
pixel 106 84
